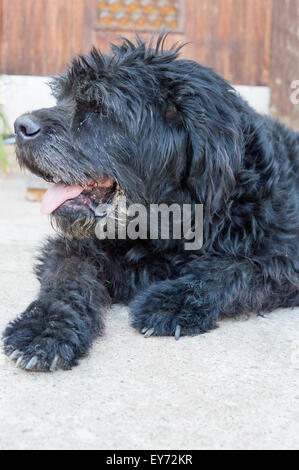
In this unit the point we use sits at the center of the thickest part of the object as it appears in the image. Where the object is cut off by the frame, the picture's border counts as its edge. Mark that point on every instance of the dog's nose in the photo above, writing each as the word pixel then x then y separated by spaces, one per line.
pixel 27 127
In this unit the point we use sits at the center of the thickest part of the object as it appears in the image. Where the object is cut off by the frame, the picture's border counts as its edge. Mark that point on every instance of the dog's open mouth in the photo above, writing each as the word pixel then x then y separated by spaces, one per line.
pixel 78 198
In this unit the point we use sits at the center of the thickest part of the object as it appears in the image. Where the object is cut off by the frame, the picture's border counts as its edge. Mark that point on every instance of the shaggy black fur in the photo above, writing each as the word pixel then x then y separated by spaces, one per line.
pixel 167 130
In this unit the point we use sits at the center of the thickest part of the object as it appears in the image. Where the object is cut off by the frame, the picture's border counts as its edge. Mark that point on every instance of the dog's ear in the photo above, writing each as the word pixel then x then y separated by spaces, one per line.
pixel 214 154
pixel 211 113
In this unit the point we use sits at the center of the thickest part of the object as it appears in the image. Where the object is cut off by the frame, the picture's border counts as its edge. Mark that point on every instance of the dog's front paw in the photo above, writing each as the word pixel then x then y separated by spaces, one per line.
pixel 170 308
pixel 40 340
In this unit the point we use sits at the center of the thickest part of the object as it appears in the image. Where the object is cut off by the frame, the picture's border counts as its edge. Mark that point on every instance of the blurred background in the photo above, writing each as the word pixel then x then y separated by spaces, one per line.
pixel 250 43
pixel 253 43
pixel 236 388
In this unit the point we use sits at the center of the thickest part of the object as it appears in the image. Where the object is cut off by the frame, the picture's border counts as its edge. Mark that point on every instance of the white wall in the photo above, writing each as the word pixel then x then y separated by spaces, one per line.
pixel 20 94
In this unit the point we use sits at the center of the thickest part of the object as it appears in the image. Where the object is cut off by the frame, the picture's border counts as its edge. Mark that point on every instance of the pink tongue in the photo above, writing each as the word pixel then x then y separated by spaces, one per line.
pixel 57 195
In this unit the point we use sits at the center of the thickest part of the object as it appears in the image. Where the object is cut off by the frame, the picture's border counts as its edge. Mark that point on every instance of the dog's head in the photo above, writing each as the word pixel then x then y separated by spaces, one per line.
pixel 139 121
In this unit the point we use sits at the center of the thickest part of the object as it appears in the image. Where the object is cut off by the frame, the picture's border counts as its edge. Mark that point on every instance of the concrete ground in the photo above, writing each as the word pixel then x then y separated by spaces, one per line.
pixel 236 387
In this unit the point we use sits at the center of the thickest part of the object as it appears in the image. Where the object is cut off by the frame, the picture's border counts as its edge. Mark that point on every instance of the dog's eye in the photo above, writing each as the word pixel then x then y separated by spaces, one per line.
pixel 82 122
pixel 82 117
pixel 78 121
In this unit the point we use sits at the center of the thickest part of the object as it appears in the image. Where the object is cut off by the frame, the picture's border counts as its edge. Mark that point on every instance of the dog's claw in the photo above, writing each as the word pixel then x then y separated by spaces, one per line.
pixel 19 362
pixel 149 333
pixel 15 355
pixel 177 333
pixel 54 363
pixel 31 364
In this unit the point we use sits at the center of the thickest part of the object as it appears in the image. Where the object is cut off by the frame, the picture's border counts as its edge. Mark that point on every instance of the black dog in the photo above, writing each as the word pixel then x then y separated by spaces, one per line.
pixel 159 130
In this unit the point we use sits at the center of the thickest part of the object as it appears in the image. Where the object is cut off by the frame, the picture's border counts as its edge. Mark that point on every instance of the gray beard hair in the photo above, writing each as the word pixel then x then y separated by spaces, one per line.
pixel 82 227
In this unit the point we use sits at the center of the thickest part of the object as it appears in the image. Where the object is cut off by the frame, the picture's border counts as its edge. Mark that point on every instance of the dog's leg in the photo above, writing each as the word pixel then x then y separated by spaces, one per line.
pixel 207 289
pixel 57 328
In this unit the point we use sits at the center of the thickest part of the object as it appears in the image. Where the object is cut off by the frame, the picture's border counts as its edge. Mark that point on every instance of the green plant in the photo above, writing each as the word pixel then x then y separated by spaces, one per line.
pixel 5 131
